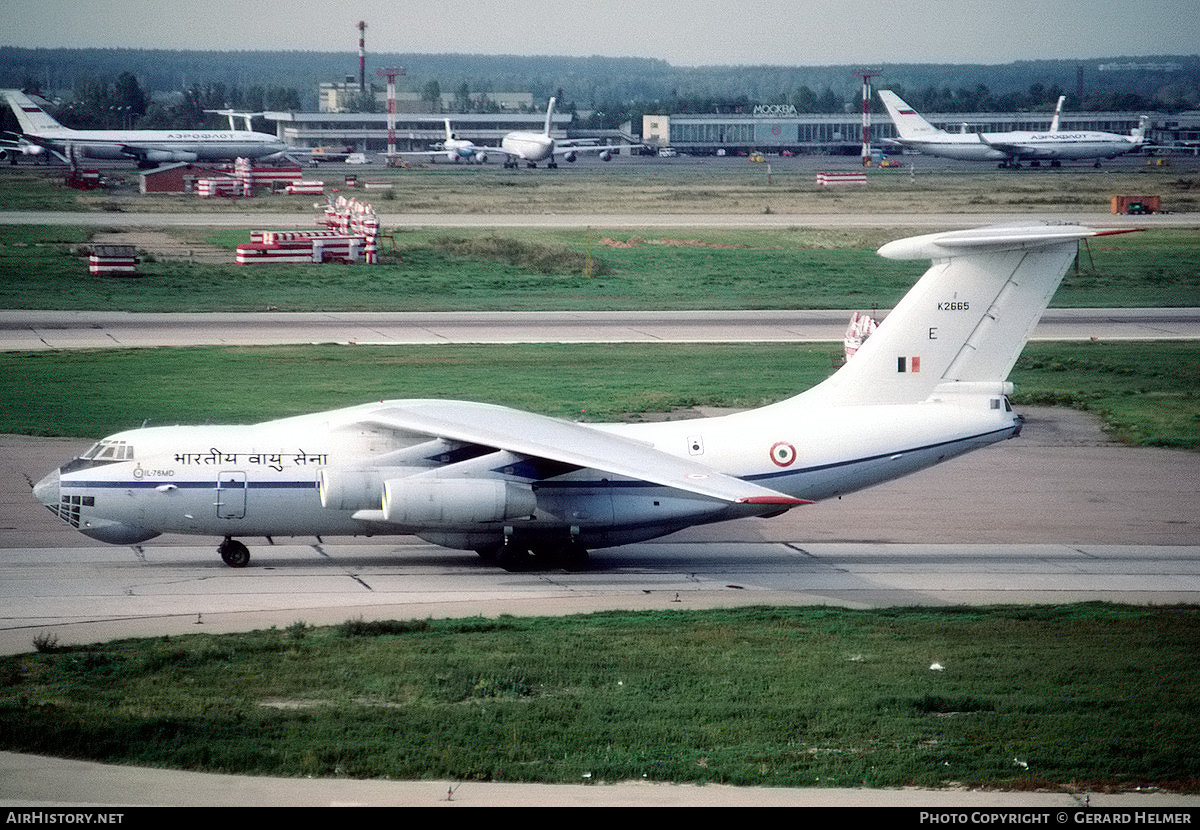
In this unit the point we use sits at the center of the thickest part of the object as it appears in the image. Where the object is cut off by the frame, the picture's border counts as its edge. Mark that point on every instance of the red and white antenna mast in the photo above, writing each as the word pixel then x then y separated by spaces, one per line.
pixel 866 75
pixel 362 56
pixel 391 73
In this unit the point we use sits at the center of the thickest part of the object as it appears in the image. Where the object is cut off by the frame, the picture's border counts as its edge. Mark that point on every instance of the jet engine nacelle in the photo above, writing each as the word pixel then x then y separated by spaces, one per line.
pixel 570 156
pixel 606 156
pixel 481 158
pixel 349 489
pixel 22 150
pixel 426 501
pixel 169 155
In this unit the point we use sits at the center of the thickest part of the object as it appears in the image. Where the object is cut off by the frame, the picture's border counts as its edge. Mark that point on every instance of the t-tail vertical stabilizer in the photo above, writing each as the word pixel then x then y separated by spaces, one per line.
pixel 966 320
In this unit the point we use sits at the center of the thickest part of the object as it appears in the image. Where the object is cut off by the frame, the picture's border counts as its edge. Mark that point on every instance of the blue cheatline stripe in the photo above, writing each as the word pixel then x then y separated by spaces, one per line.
pixel 191 485
pixel 312 485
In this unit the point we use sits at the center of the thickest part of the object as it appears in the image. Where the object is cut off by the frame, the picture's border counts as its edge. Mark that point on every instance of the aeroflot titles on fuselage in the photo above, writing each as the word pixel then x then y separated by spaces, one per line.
pixel 200 136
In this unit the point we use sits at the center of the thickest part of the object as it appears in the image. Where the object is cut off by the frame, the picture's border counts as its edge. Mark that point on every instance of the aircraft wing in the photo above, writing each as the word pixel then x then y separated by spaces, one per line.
pixel 579 445
pixel 561 148
pixel 1017 151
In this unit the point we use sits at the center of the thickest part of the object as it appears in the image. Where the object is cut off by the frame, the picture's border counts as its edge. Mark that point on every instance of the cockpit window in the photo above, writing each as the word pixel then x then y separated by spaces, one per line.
pixel 109 450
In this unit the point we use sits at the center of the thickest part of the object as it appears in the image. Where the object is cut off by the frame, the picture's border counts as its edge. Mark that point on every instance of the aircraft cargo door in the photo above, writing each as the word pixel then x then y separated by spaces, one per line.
pixel 231 495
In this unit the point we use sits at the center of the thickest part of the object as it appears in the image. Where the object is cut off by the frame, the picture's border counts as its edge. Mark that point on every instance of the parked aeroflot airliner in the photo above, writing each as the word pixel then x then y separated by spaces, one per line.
pixel 41 133
pixel 525 489
pixel 1009 148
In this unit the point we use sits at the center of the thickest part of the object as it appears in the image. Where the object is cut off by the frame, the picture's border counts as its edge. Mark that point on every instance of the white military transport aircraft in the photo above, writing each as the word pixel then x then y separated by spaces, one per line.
pixel 526 489
pixel 41 133
pixel 1008 148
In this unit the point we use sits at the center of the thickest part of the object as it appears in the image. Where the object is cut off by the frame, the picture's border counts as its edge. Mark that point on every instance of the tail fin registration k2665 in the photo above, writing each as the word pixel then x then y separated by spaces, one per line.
pixel 526 490
pixel 968 317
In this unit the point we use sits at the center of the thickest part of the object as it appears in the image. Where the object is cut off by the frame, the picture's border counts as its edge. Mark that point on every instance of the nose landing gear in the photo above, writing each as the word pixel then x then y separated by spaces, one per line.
pixel 234 553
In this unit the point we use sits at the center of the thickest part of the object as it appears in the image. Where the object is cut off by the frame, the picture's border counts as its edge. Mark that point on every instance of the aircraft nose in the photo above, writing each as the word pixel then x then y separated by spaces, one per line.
pixel 47 490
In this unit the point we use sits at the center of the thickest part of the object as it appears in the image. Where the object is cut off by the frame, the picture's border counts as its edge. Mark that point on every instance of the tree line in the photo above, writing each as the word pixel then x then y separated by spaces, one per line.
pixel 163 89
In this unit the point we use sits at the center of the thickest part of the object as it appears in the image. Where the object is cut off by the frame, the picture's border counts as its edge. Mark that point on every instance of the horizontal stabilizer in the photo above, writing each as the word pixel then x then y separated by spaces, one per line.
pixel 966 320
pixel 1002 238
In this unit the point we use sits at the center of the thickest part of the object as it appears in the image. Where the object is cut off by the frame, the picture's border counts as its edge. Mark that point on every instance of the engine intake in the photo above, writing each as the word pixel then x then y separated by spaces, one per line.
pixel 351 489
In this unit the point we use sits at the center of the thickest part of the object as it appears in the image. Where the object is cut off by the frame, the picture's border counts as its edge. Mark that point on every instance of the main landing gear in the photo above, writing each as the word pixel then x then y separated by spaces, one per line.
pixel 234 553
pixel 515 557
pixel 569 554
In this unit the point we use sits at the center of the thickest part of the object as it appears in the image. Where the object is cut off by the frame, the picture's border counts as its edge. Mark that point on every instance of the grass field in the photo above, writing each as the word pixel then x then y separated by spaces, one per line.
pixel 694 185
pixel 564 270
pixel 1076 698
pixel 1065 698
pixel 1145 391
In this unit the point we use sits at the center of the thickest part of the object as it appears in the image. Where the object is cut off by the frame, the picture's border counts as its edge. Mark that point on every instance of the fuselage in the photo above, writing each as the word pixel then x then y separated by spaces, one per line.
pixel 326 474
pixel 163 145
pixel 457 148
pixel 1064 146
pixel 530 147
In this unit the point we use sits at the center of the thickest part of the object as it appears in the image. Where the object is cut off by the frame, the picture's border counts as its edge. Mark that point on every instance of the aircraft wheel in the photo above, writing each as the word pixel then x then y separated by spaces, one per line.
pixel 573 556
pixel 514 558
pixel 489 553
pixel 234 553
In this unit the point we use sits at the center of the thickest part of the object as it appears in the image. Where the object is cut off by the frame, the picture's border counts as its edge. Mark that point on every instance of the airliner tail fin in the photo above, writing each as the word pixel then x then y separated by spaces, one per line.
pixel 32 118
pixel 909 124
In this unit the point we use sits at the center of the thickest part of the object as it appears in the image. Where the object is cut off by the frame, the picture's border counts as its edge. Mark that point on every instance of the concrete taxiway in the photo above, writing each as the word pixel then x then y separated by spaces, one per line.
pixel 1058 515
pixel 52 330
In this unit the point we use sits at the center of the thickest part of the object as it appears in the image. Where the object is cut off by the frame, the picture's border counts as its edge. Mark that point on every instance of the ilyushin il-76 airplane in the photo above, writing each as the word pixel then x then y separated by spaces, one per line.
pixel 527 490
pixel 41 133
pixel 1008 148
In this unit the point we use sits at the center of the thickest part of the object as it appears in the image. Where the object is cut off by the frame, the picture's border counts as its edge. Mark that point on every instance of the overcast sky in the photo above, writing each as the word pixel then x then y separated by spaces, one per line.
pixel 682 32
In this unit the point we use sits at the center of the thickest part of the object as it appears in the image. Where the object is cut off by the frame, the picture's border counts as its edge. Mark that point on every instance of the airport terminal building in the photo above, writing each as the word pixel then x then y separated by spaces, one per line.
pixel 774 129
pixel 368 132
pixel 769 129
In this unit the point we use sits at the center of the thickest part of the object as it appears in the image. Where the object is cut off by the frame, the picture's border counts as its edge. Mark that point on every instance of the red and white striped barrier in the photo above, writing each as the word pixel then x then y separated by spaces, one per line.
pixel 207 188
pixel 278 253
pixel 272 237
pixel 827 179
pixel 349 233
pixel 113 260
pixel 337 248
pixel 301 249
pixel 305 188
pixel 251 177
